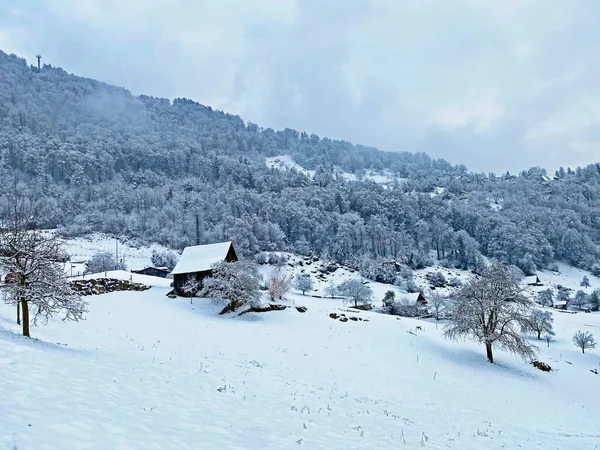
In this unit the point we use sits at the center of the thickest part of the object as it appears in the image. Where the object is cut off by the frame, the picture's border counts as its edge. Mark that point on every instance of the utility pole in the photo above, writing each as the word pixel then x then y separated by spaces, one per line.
pixel 39 58
pixel 117 254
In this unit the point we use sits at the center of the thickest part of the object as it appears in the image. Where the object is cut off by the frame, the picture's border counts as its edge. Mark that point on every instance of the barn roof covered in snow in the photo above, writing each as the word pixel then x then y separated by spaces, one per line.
pixel 412 297
pixel 200 258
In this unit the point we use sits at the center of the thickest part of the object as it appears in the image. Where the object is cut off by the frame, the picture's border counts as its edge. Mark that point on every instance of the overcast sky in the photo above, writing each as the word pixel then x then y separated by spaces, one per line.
pixel 491 84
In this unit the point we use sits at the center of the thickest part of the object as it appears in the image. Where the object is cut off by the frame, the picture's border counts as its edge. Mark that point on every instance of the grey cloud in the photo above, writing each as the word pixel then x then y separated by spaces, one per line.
pixel 494 86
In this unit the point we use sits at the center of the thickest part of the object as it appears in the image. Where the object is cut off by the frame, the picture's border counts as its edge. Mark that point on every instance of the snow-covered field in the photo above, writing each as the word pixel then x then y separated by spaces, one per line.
pixel 146 371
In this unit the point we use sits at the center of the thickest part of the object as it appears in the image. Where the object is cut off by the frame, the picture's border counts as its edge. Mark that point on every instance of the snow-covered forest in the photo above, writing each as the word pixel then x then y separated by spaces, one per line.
pixel 95 158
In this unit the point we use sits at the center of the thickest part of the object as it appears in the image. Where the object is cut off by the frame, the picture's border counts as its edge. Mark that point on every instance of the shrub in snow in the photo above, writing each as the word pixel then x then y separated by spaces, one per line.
pixel 540 322
pixel 405 272
pixel 164 259
pixel 405 308
pixel 412 287
pixel 279 283
pixel 437 279
pixel 304 283
pixel 235 284
pixel 356 292
pixel 585 282
pixel 584 340
pixel 277 259
pixel 454 282
pixel 492 310
pixel 554 268
pixel 261 258
pixel 101 262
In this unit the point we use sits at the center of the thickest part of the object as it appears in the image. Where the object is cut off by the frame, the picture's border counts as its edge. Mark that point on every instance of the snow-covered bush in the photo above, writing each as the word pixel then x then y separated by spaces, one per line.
pixel 412 287
pixel 455 282
pixel 389 300
pixel 235 284
pixel 585 282
pixel 436 279
pixel 279 283
pixel 102 262
pixel 164 259
pixel 580 300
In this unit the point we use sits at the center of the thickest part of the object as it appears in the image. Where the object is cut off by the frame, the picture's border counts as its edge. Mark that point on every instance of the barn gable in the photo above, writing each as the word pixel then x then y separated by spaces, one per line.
pixel 197 262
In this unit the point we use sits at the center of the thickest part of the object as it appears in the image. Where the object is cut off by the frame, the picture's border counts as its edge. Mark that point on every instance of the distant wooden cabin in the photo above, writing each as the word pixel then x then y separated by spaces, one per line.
pixel 533 281
pixel 196 263
pixel 560 304
pixel 161 272
pixel 414 298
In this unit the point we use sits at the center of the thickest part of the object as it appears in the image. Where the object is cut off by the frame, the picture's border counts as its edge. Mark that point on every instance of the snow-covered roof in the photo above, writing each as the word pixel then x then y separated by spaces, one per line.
pixel 560 303
pixel 201 257
pixel 411 297
pixel 534 279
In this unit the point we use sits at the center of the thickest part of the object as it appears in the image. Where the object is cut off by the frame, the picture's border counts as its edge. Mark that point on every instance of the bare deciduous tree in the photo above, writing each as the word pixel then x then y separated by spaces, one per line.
pixel 34 260
pixel 540 322
pixel 493 311
pixel 279 282
pixel 584 340
pixel 356 291
pixel 437 306
pixel 304 283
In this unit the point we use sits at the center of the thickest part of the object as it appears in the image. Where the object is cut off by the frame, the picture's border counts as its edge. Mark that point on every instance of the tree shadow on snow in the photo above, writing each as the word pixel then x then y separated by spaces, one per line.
pixel 476 360
pixel 8 336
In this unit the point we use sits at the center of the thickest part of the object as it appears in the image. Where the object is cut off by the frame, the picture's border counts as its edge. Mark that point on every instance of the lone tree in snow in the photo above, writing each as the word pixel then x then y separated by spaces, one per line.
pixel 580 300
pixel 34 260
pixel 492 310
pixel 437 305
pixel 279 283
pixel 331 290
pixel 356 291
pixel 389 301
pixel 304 283
pixel 546 297
pixel 585 282
pixel 235 284
pixel 584 340
pixel 540 322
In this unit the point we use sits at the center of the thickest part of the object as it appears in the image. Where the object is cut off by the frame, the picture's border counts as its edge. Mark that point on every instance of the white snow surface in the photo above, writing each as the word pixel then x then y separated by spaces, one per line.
pixel 199 258
pixel 146 371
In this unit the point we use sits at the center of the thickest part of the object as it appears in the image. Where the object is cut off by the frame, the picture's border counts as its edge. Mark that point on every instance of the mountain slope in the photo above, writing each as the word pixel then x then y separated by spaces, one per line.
pixel 94 158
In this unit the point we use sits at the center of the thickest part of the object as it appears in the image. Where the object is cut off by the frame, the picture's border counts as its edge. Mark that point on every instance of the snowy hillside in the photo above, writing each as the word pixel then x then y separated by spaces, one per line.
pixel 146 371
pixel 286 162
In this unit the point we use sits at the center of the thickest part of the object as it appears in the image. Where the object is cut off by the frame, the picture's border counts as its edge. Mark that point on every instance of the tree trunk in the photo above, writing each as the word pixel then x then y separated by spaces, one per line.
pixel 488 350
pixel 582 349
pixel 539 334
pixel 18 314
pixel 25 308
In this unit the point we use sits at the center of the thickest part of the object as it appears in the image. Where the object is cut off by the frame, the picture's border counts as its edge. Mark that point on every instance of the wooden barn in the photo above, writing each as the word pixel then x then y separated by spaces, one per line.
pixel 161 272
pixel 533 280
pixel 415 298
pixel 196 263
